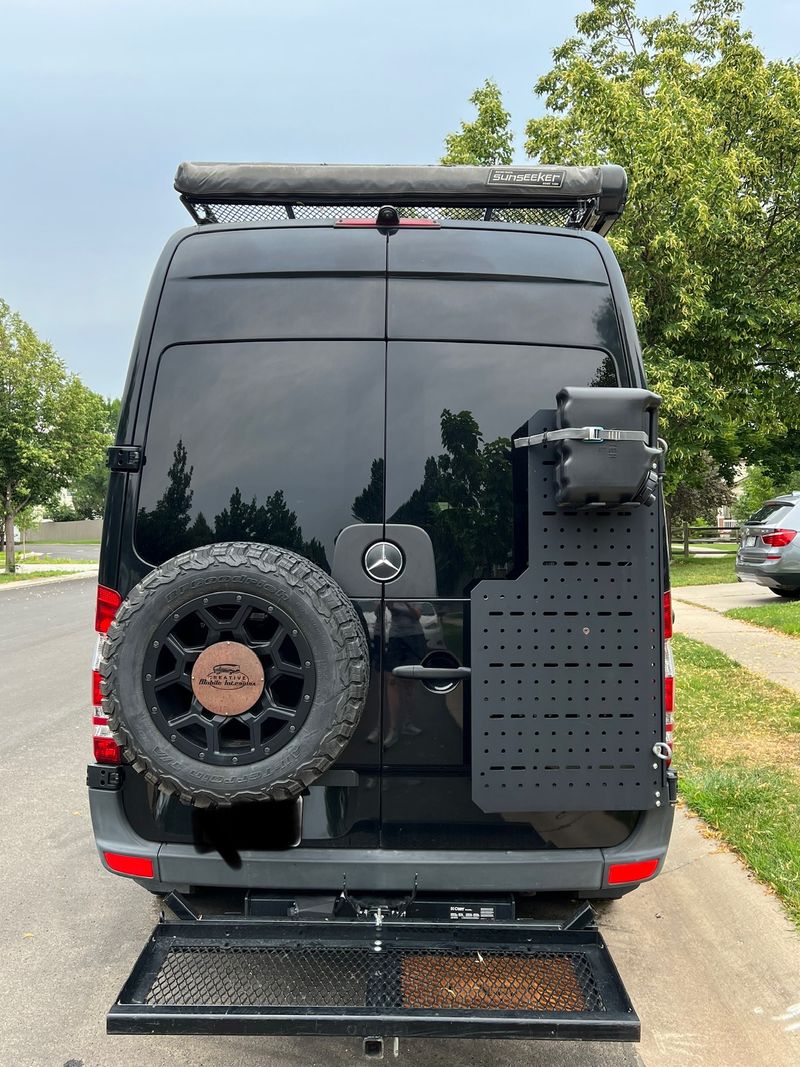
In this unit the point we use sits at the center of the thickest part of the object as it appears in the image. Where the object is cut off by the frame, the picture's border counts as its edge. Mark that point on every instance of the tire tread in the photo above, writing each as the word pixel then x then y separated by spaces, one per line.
pixel 330 602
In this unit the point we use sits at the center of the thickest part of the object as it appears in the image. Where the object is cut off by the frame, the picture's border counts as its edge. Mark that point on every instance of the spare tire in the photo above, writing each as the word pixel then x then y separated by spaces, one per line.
pixel 234 672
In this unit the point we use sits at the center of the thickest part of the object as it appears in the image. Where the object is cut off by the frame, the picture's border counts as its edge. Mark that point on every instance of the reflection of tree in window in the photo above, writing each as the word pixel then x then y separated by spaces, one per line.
pixel 368 505
pixel 168 529
pixel 163 532
pixel 465 502
pixel 606 376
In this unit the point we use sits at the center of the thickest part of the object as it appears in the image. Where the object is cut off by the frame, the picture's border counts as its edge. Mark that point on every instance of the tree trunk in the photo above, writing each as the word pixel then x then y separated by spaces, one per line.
pixel 11 565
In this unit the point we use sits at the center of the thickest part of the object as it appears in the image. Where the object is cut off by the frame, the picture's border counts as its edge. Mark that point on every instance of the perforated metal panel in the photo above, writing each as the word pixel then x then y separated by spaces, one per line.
pixel 567 660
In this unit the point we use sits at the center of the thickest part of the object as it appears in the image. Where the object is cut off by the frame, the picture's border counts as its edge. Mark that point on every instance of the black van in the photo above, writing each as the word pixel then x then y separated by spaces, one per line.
pixel 384 611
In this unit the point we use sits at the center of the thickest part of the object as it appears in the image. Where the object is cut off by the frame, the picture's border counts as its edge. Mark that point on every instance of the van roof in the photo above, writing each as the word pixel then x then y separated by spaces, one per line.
pixel 590 198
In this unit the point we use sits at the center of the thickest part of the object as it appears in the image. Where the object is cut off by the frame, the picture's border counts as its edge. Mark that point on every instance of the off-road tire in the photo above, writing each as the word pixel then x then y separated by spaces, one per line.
pixel 331 626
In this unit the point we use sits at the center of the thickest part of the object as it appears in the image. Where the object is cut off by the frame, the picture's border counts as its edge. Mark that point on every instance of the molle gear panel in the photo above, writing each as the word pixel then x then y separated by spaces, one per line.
pixel 567 674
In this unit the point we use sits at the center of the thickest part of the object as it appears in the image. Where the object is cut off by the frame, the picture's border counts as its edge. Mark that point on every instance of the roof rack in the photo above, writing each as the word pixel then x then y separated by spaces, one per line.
pixel 587 198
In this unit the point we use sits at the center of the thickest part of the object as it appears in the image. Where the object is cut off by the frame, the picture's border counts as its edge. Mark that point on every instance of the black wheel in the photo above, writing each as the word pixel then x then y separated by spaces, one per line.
pixel 786 592
pixel 235 672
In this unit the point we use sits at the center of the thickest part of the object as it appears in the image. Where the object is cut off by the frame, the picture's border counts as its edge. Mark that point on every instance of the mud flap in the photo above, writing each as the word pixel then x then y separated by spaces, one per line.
pixel 356 978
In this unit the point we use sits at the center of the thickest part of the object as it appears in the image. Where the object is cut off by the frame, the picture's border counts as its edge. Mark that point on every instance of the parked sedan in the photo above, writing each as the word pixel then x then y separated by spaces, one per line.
pixel 769 546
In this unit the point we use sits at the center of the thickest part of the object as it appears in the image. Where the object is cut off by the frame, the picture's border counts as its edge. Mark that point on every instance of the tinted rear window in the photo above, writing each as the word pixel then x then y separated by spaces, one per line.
pixel 452 412
pixel 773 513
pixel 262 441
pixel 283 443
pixel 500 286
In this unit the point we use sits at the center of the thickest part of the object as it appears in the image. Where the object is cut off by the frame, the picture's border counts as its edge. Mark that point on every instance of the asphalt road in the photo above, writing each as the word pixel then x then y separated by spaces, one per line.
pixel 710 960
pixel 55 551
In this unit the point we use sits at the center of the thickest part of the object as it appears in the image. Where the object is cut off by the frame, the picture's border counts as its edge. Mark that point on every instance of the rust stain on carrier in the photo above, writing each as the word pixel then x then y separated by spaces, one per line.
pixel 228 678
pixel 497 983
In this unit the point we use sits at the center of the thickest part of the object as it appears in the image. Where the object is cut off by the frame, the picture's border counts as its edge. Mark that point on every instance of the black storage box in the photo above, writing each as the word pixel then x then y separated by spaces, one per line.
pixel 607 472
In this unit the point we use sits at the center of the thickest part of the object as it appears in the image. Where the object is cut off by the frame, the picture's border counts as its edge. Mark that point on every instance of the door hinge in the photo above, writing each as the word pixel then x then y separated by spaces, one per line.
pixel 124 458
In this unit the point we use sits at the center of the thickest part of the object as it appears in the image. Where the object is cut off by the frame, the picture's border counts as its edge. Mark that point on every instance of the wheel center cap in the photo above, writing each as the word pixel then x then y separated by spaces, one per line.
pixel 227 678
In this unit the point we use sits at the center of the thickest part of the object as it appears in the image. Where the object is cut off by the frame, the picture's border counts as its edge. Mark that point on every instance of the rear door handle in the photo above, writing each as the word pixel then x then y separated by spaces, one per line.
pixel 416 670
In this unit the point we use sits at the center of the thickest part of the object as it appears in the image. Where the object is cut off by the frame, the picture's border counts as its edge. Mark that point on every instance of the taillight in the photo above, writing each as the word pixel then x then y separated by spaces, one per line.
pixel 106 749
pixel 619 873
pixel 669 694
pixel 108 603
pixel 97 695
pixel 779 538
pixel 400 222
pixel 136 866
pixel 669 676
pixel 667 615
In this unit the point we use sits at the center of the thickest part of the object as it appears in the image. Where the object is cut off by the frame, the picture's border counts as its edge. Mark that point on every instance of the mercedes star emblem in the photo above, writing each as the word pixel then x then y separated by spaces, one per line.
pixel 383 561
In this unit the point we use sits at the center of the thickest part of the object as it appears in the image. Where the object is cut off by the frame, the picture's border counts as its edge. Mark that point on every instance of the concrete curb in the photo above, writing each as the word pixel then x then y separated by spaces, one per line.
pixel 90 572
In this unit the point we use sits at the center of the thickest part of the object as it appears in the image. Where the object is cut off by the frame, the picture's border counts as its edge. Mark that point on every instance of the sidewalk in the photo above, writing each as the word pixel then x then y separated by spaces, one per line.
pixel 38 568
pixel 697 615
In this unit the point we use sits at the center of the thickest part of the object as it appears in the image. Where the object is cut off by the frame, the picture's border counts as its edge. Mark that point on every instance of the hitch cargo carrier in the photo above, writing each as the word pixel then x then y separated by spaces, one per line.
pixel 389 979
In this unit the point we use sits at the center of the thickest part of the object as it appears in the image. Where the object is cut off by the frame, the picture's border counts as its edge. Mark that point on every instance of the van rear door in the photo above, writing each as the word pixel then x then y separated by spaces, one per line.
pixel 262 418
pixel 484 327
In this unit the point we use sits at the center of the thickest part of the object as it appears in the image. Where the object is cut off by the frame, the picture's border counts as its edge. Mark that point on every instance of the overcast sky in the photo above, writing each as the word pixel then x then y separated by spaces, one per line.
pixel 100 99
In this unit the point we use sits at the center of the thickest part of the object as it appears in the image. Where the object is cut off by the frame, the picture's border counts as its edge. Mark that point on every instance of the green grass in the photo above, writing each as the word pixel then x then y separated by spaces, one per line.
pixel 702 570
pixel 711 546
pixel 65 559
pixel 61 541
pixel 735 733
pixel 6 579
pixel 32 558
pixel 782 615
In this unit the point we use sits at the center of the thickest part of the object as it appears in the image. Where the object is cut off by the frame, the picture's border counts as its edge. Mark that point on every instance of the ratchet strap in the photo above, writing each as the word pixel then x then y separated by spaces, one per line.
pixel 596 434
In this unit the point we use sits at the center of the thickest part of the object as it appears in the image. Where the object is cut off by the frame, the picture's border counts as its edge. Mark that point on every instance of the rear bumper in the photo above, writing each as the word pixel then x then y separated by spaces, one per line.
pixel 776 574
pixel 380 870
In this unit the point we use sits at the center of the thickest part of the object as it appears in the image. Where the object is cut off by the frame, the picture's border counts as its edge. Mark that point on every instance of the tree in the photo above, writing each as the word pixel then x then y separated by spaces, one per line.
pixel 89 489
pixel 780 462
pixel 368 505
pixel 464 497
pixel 709 133
pixel 25 521
pixel 50 423
pixel 237 521
pixel 487 140
pixel 700 496
pixel 162 532
pixel 759 484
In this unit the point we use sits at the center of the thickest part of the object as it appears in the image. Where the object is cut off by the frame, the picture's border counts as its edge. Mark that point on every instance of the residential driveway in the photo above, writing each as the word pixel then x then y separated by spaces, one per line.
pixel 725 595
pixel 698 615
pixel 708 956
